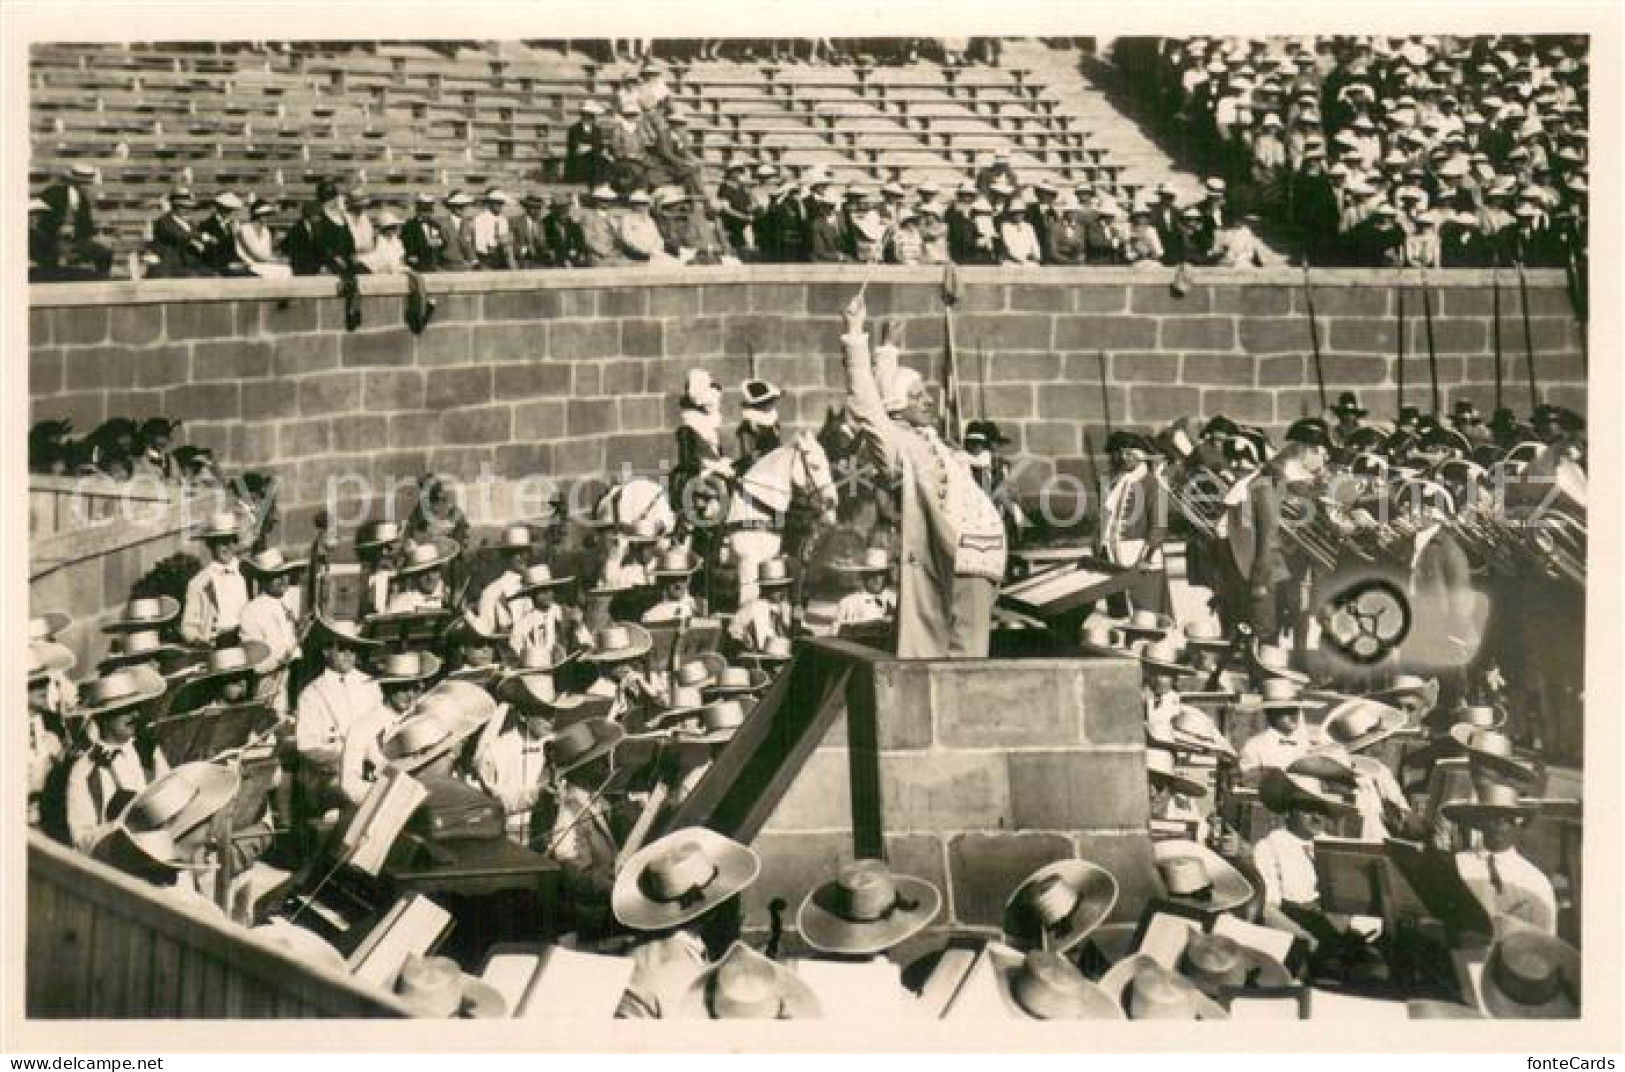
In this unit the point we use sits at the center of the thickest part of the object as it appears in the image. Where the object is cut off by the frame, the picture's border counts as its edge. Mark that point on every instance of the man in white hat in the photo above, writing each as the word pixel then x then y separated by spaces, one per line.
pixel 218 234
pixel 639 235
pixel 626 146
pixel 175 241
pixel 584 147
pixel 340 697
pixel 541 621
pixel 388 253
pixel 69 219
pixel 600 230
pixel 217 593
pixel 489 235
pixel 765 612
pixel 874 600
pixel 274 618
pixel 495 613
pixel 952 538
pixel 425 238
pixel 113 766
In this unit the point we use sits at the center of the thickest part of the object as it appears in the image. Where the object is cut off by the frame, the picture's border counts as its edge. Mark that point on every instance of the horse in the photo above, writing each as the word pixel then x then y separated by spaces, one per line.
pixel 781 501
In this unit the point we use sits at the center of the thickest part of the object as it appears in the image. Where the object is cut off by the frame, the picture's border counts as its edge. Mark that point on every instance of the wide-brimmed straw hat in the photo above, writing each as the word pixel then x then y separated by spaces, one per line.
pixel 872 560
pixel 273 562
pixel 46 657
pixel 142 646
pixel 436 988
pixel 579 743
pixel 1531 976
pixel 1329 763
pixel 179 801
pixel 619 642
pixel 405 667
pixel 1042 985
pixel 539 578
pixel 866 909
pixel 1206 634
pixel 1274 661
pixel 737 681
pixel 683 701
pixel 145 612
pixel 1101 638
pixel 700 671
pixel 1479 716
pixel 120 690
pixel 773 573
pixel 713 723
pixel 1408 685
pixel 1492 750
pixel 1059 905
pixel 343 631
pixel 1214 961
pixel 376 534
pixel 678 562
pixel 745 985
pixel 1192 874
pixel 1163 655
pixel 680 877
pixel 222 525
pixel 1193 730
pixel 1161 769
pixel 441 719
pixel 1281 792
pixel 1360 723
pixel 428 555
pixel 1145 990
pixel 1491 800
pixel 1285 694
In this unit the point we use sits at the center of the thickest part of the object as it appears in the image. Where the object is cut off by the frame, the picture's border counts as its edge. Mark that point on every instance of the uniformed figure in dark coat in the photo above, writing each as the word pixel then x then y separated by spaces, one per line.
pixel 961 227
pixel 424 238
pixel 758 431
pixel 826 241
pixel 564 242
pixel 332 239
pixel 674 158
pixel 529 230
pixel 584 147
pixel 219 238
pixel 735 205
pixel 68 226
pixel 175 241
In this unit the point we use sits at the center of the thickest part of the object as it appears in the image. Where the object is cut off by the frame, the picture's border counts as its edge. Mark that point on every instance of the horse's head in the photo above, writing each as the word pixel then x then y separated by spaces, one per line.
pixel 812 474
pixel 838 435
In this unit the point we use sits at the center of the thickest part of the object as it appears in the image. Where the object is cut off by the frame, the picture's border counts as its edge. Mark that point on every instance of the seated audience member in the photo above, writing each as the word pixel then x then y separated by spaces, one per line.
pixel 257 246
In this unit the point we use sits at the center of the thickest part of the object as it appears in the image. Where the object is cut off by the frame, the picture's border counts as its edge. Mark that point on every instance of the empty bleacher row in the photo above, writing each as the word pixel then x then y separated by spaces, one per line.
pixel 402 118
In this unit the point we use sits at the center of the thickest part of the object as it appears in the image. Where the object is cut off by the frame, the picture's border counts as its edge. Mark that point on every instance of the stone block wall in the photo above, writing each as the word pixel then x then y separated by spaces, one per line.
pixel 571 374
pixel 988 771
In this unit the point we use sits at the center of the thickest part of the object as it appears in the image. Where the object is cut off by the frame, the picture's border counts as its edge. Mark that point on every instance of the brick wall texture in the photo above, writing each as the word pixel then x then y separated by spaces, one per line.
pixel 559 375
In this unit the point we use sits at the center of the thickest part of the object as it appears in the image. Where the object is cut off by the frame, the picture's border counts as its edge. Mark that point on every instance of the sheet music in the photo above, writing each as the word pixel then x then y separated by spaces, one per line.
pixel 414 925
pixel 380 819
pixel 1271 941
pixel 571 986
pixel 511 974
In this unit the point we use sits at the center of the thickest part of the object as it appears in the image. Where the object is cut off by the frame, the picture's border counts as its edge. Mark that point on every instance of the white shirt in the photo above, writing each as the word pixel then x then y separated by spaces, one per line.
pixel 535 627
pixel 328 708
pixel 581 839
pixel 513 768
pixel 96 777
pixel 361 759
pixel 215 599
pixel 273 622
pixel 1284 863
pixel 410 599
pixel 859 607
pixel 758 621
pixel 489 231
pixel 671 610
pixel 1516 888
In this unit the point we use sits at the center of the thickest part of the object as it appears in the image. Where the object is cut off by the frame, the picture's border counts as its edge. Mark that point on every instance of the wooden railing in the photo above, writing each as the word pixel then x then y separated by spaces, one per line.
pixel 105 946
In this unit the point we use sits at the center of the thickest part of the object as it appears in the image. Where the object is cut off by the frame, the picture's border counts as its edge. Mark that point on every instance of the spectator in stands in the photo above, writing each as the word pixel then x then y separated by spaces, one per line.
pixel 867 233
pixel 1237 245
pixel 933 234
pixel 43 255
pixel 68 225
pixel 961 224
pixel 218 234
pixel 488 235
pixel 1379 240
pixel 599 233
pixel 638 235
pixel 584 146
pixel 673 158
pixel 653 93
pixel 1018 243
pixel 1144 243
pixel 256 244
pixel 997 172
pixel 388 256
pixel 826 242
pixel 530 233
pixel 1063 238
pixel 424 237
pixel 565 246
pixel 1422 249
pixel 700 237
pixel 1104 236
pixel 1165 214
pixel 626 148
pixel 175 241
pixel 734 207
pixel 906 246
pixel 358 207
pixel 1185 245
pixel 332 239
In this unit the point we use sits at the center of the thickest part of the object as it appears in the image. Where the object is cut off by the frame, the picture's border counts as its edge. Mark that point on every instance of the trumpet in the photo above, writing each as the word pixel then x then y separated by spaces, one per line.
pixel 1202 514
pixel 1314 534
pixel 1559 540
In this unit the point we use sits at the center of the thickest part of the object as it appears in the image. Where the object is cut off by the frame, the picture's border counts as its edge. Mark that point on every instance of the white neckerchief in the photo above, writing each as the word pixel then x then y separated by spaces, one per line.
pixel 761 418
pixel 706 424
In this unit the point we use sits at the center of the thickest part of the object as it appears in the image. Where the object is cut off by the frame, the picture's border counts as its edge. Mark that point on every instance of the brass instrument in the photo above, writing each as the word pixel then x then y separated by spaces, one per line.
pixel 1202 514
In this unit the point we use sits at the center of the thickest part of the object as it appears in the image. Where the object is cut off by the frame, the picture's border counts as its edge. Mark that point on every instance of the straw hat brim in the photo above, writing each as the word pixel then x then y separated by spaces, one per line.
pixel 1510 767
pixel 1116 983
pixel 169 610
pixel 608 737
pixel 289 565
pixel 1393 720
pixel 1179 783
pixel 758 682
pixel 1159 664
pixel 1280 792
pixel 1230 888
pixel 821 925
pixel 737 867
pixel 53 658
pixel 1264 971
pixel 798 1000
pixel 445 551
pixel 52 622
pixel 429 664
pixel 461 727
pixel 1097 1004
pixel 1472 811
pixel 150 688
pixel 325 631
pixel 1097 891
pixel 641 644
pixel 1217 744
pixel 547 585
pixel 762 657
pixel 1500 1006
pixel 216 787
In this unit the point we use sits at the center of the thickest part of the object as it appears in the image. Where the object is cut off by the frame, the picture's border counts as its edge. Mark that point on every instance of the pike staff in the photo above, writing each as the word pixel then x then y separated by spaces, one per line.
pixel 1399 360
pixel 1314 333
pixel 1528 338
pixel 1433 355
pixel 1495 327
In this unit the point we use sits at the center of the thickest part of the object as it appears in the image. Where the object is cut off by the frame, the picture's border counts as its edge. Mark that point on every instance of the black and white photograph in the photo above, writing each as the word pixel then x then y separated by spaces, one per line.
pixel 918 535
